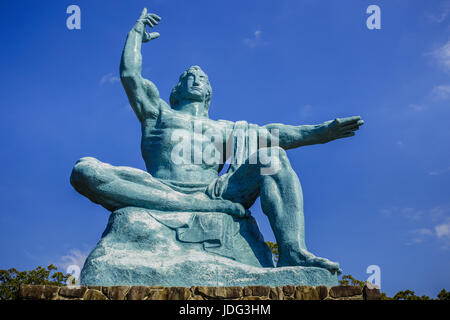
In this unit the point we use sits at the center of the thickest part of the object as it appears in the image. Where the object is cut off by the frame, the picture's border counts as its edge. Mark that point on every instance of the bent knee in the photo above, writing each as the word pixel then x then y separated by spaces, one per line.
pixel 85 166
pixel 274 156
pixel 87 159
pixel 279 153
pixel 87 173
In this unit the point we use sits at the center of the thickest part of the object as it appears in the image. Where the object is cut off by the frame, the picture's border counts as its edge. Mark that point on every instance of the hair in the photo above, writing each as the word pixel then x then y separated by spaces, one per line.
pixel 176 91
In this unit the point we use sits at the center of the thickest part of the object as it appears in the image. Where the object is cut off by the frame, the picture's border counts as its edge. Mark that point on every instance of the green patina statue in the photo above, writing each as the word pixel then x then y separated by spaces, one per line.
pixel 181 223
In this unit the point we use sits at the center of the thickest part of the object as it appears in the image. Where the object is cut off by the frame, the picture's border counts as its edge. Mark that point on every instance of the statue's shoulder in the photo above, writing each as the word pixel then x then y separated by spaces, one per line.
pixel 163 106
pixel 237 124
pixel 224 123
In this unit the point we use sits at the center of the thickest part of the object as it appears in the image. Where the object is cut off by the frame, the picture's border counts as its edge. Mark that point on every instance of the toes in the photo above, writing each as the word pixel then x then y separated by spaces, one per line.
pixel 334 268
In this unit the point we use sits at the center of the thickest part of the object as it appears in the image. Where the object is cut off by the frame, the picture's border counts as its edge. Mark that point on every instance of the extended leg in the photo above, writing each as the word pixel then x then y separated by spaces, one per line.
pixel 117 187
pixel 281 200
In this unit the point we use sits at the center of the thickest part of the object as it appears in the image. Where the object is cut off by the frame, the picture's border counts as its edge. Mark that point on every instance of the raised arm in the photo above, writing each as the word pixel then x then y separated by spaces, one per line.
pixel 142 93
pixel 296 136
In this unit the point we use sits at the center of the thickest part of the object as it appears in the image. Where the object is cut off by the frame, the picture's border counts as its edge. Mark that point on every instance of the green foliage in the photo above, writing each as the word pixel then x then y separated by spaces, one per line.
pixel 274 248
pixel 444 295
pixel 385 297
pixel 409 295
pixel 348 280
pixel 11 279
pixel 353 282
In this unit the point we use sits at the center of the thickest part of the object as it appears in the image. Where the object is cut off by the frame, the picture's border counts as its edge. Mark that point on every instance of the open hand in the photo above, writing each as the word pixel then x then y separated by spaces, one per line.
pixel 151 20
pixel 340 128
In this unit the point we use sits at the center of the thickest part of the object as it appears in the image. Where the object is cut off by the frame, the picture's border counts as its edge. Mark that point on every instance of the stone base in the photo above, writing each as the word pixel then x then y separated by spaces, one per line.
pixel 143 247
pixel 38 292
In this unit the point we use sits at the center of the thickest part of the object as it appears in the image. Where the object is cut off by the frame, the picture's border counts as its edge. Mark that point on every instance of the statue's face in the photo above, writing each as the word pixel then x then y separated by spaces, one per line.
pixel 195 86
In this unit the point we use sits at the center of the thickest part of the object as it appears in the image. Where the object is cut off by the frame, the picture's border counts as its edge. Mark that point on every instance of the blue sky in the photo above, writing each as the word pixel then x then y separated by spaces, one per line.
pixel 379 198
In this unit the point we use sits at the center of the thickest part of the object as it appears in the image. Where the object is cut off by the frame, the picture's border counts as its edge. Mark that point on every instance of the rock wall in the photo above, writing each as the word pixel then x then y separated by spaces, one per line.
pixel 40 292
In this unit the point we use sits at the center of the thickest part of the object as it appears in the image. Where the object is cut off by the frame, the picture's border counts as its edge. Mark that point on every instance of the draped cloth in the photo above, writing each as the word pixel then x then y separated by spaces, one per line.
pixel 215 230
pixel 243 141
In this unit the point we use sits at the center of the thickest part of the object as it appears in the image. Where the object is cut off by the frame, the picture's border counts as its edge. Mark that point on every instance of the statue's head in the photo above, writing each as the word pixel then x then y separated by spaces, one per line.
pixel 192 85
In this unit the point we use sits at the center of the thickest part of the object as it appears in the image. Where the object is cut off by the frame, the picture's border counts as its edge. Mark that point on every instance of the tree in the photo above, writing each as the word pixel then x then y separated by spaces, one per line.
pixel 385 297
pixel 401 295
pixel 274 248
pixel 443 295
pixel 354 282
pixel 348 280
pixel 409 295
pixel 11 279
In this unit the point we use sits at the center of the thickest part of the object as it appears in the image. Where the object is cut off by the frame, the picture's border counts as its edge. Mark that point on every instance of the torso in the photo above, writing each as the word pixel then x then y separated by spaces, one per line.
pixel 160 136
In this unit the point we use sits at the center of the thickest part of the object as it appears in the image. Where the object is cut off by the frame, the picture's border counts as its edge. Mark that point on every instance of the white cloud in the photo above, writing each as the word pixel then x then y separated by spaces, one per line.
pixel 434 224
pixel 109 78
pixel 438 213
pixel 306 111
pixel 420 235
pixel 441 92
pixel 441 16
pixel 416 107
pixel 387 213
pixel 440 233
pixel 412 214
pixel 75 257
pixel 255 40
pixel 443 230
pixel 439 172
pixel 442 56
pixel 424 232
pixel 408 213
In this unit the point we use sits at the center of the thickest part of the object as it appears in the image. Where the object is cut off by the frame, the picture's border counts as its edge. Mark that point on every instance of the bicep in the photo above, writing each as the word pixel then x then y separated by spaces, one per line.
pixel 142 95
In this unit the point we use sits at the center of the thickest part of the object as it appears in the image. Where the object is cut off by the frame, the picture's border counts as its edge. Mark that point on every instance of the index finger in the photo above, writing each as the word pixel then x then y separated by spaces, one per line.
pixel 349 120
pixel 143 13
pixel 155 16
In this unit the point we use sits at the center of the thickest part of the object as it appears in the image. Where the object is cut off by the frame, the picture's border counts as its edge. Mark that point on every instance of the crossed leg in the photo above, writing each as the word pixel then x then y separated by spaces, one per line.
pixel 118 187
pixel 281 200
pixel 280 192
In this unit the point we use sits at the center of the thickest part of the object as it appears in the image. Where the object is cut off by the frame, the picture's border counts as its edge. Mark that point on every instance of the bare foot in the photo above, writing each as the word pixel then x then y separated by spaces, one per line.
pixel 307 259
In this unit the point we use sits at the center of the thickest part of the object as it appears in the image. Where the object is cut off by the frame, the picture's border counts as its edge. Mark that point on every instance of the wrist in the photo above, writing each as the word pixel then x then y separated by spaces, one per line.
pixel 320 132
pixel 139 27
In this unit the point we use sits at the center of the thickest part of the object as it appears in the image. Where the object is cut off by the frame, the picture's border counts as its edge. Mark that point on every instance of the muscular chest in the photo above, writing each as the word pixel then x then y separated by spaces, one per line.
pixel 182 121
pixel 173 127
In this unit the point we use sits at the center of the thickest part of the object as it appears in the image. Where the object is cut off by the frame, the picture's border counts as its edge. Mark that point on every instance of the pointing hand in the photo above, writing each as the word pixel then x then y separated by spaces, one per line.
pixel 151 20
pixel 340 128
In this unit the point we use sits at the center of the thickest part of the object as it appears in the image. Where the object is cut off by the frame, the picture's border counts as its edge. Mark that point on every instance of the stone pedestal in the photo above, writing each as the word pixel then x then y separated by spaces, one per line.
pixel 147 247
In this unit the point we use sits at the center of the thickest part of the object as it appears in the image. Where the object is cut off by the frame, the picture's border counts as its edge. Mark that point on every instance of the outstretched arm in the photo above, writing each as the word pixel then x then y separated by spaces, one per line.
pixel 296 136
pixel 142 93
